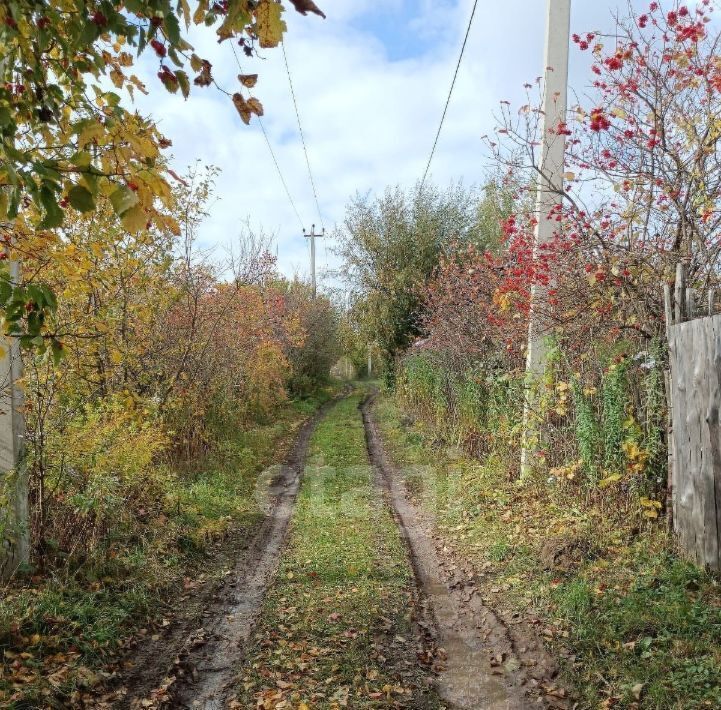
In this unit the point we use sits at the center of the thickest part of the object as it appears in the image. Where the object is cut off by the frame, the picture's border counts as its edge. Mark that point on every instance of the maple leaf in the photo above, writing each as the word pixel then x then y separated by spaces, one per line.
pixel 255 106
pixel 241 106
pixel 248 80
pixel 204 78
pixel 269 25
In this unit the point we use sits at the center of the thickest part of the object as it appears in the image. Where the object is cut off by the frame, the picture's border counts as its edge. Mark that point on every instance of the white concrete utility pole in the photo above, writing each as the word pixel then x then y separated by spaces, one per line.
pixel 312 236
pixel 548 195
pixel 15 521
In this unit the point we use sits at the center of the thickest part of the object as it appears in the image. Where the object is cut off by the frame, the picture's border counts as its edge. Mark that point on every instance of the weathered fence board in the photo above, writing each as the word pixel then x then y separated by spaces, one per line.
pixel 695 359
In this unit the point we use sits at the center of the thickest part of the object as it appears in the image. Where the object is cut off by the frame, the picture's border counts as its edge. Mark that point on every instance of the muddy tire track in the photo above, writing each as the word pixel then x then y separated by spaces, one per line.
pixel 196 664
pixel 487 664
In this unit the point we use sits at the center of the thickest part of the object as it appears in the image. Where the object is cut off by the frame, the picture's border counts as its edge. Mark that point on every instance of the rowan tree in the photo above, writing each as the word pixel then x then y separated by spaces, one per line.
pixel 643 180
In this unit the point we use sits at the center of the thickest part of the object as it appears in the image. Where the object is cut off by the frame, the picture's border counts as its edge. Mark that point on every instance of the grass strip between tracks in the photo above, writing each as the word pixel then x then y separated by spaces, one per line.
pixel 336 628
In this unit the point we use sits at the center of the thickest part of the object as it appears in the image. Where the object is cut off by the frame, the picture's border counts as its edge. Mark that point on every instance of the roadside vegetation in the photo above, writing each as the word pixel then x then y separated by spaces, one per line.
pixel 157 381
pixel 337 628
pixel 579 542
pixel 175 389
pixel 65 632
pixel 634 625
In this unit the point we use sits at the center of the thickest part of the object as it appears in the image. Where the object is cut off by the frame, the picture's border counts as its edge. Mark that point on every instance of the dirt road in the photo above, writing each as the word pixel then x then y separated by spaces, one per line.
pixel 465 630
pixel 195 664
pixel 476 662
pixel 488 664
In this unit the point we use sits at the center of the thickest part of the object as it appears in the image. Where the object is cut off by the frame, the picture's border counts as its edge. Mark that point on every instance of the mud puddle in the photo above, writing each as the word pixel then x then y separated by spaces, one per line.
pixel 487 665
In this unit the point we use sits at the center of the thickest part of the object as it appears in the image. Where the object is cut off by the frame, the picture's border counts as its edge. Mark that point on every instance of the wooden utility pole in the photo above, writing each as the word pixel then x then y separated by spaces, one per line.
pixel 312 236
pixel 14 522
pixel 548 194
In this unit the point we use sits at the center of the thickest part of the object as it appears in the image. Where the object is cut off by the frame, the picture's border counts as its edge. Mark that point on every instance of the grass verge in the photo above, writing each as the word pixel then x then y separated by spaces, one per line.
pixel 63 631
pixel 336 627
pixel 636 626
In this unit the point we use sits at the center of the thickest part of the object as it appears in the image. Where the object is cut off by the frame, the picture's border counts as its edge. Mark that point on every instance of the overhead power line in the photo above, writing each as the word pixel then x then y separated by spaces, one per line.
pixel 302 136
pixel 450 92
pixel 272 152
pixel 280 173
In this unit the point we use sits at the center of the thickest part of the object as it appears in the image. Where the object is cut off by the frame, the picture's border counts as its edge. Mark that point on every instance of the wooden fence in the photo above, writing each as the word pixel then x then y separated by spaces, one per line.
pixel 694 396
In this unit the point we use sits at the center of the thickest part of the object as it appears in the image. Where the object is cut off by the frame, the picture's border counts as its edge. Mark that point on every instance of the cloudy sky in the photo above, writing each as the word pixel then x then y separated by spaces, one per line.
pixel 371 81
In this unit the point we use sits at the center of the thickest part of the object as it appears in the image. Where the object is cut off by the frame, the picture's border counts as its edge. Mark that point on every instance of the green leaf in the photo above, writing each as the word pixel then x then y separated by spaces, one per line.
pixel 36 294
pixel 169 82
pixel 89 33
pixel 6 291
pixel 141 40
pixel 175 57
pixel 134 219
pixel 14 203
pixel 54 215
pixel 13 152
pixel 81 159
pixel 122 199
pixel 57 350
pixel 91 182
pixel 51 302
pixel 172 27
pixel 81 199
pixel 184 82
pixel 112 98
pixel 48 172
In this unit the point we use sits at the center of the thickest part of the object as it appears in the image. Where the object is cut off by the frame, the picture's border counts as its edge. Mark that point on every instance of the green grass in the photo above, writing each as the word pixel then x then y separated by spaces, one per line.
pixel 659 625
pixel 336 625
pixel 59 628
pixel 642 627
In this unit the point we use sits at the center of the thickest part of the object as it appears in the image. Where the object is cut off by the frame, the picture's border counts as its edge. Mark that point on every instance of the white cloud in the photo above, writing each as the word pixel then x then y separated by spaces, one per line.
pixel 369 121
